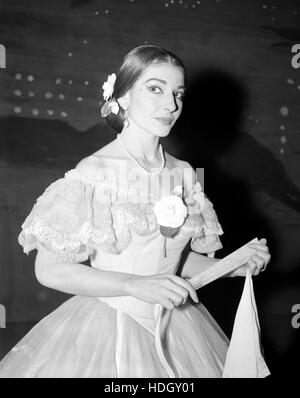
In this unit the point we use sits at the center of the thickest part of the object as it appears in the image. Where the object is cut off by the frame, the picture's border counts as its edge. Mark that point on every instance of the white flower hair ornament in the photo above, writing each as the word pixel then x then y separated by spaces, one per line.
pixel 170 212
pixel 110 105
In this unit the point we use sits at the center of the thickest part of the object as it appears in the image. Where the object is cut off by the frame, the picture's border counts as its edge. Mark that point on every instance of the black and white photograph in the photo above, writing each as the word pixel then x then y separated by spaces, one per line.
pixel 149 191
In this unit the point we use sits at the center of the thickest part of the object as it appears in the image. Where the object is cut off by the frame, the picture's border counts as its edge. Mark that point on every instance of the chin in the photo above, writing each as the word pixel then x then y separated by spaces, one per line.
pixel 159 132
pixel 165 133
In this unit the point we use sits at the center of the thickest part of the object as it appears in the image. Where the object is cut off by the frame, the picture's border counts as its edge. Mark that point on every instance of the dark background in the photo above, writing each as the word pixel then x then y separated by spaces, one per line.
pixel 240 123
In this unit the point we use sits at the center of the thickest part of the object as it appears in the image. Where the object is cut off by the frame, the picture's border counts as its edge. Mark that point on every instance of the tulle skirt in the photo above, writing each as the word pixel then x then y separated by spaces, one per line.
pixel 78 340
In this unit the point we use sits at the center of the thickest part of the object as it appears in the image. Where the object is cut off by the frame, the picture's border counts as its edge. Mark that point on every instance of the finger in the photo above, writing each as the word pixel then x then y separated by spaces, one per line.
pixel 183 296
pixel 252 266
pixel 180 297
pixel 263 252
pixel 174 297
pixel 258 246
pixel 260 266
pixel 263 241
pixel 178 289
pixel 266 263
pixel 188 286
pixel 263 256
pixel 260 261
pixel 166 303
pixel 264 249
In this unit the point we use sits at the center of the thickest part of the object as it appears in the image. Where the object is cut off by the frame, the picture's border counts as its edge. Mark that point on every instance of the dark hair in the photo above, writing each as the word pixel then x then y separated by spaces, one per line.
pixel 133 66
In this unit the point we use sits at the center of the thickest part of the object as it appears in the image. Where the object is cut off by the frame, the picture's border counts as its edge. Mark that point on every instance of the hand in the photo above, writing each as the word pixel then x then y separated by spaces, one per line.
pixel 166 289
pixel 258 261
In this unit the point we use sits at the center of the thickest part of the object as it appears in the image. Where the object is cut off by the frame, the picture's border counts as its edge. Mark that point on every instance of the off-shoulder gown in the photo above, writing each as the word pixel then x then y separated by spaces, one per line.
pixel 78 217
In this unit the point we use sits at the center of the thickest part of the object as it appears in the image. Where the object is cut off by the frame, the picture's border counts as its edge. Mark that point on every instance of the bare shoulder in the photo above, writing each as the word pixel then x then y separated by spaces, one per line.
pixel 189 177
pixel 172 161
pixel 104 157
pixel 89 164
pixel 186 168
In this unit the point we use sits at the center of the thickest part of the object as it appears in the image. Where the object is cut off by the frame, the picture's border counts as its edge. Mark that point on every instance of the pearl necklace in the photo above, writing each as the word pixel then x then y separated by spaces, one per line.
pixel 163 162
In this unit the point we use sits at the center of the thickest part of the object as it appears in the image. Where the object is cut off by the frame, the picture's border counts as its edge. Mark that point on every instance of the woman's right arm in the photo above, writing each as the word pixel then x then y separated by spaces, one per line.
pixel 79 279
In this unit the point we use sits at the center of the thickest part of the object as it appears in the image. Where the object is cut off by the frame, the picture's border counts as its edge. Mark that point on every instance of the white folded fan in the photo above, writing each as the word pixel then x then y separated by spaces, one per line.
pixel 244 355
pixel 222 267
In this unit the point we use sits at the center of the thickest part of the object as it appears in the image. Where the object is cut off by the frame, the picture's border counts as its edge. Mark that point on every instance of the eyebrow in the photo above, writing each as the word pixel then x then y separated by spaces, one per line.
pixel 161 81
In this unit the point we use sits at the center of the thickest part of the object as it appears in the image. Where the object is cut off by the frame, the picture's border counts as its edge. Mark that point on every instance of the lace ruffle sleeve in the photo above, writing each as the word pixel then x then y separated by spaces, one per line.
pixel 207 227
pixel 63 220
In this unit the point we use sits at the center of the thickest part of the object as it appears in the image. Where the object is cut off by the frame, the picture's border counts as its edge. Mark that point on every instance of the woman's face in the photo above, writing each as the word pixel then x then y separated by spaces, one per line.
pixel 155 100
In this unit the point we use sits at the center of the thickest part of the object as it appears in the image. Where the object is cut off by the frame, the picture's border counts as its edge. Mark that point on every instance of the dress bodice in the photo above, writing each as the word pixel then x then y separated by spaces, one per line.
pixel 144 255
pixel 85 215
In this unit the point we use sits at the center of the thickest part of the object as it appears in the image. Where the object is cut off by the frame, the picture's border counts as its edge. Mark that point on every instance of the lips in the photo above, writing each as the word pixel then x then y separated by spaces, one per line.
pixel 164 120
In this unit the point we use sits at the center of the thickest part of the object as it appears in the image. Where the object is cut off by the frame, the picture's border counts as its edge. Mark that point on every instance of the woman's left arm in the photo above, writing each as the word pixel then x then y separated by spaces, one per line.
pixel 257 262
pixel 196 263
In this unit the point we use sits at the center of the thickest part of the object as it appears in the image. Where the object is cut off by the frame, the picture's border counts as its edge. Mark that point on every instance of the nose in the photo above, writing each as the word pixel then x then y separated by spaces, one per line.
pixel 171 103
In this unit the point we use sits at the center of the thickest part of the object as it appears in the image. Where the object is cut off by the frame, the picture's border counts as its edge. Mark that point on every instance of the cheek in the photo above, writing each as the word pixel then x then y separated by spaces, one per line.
pixel 179 110
pixel 147 105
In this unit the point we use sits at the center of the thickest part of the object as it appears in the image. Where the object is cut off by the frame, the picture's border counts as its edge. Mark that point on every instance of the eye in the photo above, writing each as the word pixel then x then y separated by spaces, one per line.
pixel 154 89
pixel 179 95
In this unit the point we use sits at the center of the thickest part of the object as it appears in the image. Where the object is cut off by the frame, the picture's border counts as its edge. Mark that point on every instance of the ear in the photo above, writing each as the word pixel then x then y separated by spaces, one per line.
pixel 124 101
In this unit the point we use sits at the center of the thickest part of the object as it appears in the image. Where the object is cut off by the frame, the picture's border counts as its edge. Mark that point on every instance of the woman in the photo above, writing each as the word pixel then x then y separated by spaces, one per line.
pixel 134 236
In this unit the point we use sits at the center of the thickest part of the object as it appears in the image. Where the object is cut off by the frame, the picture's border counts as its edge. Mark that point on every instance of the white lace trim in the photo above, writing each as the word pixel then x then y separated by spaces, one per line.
pixel 59 241
pixel 109 227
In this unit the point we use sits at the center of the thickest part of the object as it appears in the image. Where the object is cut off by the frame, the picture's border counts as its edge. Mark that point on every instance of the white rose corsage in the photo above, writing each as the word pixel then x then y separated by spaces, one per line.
pixel 170 212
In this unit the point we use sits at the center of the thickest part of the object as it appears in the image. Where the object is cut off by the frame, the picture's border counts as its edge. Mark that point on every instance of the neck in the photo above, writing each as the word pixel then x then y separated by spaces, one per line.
pixel 142 145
